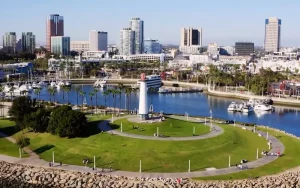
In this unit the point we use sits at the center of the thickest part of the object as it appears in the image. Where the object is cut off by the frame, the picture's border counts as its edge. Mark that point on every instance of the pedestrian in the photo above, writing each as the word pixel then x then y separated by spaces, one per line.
pixel 109 168
pixel 60 163
pixel 49 164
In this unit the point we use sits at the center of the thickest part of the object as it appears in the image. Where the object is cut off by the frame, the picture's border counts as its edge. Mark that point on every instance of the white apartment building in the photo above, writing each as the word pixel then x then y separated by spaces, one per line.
pixel 213 49
pixel 126 41
pixel 98 40
pixel 137 26
pixel 272 34
pixel 145 57
pixel 80 46
pixel 190 49
pixel 191 40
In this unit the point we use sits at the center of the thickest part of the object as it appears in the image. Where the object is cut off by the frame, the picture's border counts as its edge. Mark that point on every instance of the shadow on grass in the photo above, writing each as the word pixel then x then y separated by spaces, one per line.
pixel 9 131
pixel 43 149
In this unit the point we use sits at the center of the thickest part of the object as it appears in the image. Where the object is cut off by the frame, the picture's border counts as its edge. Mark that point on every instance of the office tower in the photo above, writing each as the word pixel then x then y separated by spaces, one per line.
pixel 9 42
pixel 98 40
pixel 191 37
pixel 28 42
pixel 54 27
pixel 60 45
pixel 244 48
pixel 137 25
pixel 272 34
pixel 127 41
pixel 152 47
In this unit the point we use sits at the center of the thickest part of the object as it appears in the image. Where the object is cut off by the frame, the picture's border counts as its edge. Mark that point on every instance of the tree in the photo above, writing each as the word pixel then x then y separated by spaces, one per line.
pixel 128 91
pixel 37 93
pixel 38 120
pixel 105 93
pixel 120 87
pixel 67 90
pixel 82 93
pixel 66 122
pixel 2 96
pixel 152 90
pixel 22 142
pixel 91 94
pixel 21 107
pixel 96 93
pixel 77 90
pixel 52 92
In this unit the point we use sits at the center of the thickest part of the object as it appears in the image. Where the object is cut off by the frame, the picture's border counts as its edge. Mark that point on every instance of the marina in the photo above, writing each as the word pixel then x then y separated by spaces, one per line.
pixel 166 90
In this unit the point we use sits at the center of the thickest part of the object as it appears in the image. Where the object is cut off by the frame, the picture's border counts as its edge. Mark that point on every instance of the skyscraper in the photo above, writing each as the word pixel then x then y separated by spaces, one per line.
pixel 60 45
pixel 152 46
pixel 54 27
pixel 9 42
pixel 127 41
pixel 98 40
pixel 28 42
pixel 137 25
pixel 191 37
pixel 272 34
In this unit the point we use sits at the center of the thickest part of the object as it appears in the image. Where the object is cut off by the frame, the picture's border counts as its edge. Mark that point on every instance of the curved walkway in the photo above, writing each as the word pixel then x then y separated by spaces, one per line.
pixel 277 146
pixel 104 126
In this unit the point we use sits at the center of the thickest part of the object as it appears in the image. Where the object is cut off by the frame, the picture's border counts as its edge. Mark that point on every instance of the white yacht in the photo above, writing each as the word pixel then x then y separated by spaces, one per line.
pixel 36 85
pixel 52 84
pixel 232 107
pixel 247 109
pixel 153 81
pixel 68 83
pixel 42 84
pixel 60 84
pixel 263 107
pixel 100 83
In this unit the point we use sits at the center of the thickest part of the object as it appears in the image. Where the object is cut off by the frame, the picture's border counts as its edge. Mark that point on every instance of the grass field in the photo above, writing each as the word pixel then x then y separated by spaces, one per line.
pixel 157 156
pixel 290 159
pixel 7 147
pixel 169 127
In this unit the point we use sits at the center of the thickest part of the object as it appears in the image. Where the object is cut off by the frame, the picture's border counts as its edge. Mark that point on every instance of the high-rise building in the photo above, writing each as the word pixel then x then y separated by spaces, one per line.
pixel 28 42
pixel 272 34
pixel 126 41
pixel 98 40
pixel 191 37
pixel 60 45
pixel 152 47
pixel 54 27
pixel 80 46
pixel 9 42
pixel 137 25
pixel 244 48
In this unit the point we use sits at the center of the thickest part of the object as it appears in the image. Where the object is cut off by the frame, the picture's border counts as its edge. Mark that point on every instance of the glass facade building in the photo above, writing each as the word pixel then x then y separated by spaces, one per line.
pixel 54 27
pixel 137 26
pixel 9 42
pixel 152 47
pixel 127 41
pixel 60 45
pixel 244 48
pixel 28 42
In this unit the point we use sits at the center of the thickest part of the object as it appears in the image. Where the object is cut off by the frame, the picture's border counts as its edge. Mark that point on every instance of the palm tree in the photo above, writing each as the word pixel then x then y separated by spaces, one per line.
pixel 152 90
pixel 52 92
pixel 96 93
pixel 37 92
pixel 91 94
pixel 128 91
pixel 114 94
pixel 11 91
pixel 109 92
pixel 77 90
pixel 105 93
pixel 135 90
pixel 121 87
pixel 82 93
pixel 67 90
pixel 2 95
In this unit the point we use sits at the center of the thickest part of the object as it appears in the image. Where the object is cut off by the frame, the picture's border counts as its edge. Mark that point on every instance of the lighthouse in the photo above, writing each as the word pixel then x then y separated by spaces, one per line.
pixel 143 102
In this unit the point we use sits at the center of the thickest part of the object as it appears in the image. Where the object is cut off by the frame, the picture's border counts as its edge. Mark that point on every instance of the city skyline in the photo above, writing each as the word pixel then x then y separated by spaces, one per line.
pixel 224 24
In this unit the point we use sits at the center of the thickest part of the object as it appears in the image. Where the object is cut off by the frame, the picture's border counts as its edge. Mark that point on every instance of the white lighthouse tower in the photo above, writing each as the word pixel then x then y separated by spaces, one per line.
pixel 143 102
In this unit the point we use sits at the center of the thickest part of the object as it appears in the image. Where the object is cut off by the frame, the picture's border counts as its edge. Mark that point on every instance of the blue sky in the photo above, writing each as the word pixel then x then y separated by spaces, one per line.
pixel 223 22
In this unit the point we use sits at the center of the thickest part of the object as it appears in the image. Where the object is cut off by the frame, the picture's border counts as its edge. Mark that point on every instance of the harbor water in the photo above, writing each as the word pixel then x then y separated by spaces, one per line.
pixel 194 104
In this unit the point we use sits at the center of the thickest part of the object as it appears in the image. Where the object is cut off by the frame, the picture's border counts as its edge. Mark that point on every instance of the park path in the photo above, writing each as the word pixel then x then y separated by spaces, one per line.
pixel 277 146
pixel 104 126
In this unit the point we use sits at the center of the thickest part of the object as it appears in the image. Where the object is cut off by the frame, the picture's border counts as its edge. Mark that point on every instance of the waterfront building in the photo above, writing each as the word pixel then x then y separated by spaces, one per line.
pixel 28 42
pixel 9 42
pixel 97 40
pixel 54 27
pixel 152 46
pixel 145 57
pixel 272 34
pixel 60 45
pixel 137 26
pixel 80 46
pixel 126 41
pixel 244 48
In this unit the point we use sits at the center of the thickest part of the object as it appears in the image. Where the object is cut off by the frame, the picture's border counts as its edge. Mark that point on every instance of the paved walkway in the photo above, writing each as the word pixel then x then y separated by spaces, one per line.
pixel 104 126
pixel 277 147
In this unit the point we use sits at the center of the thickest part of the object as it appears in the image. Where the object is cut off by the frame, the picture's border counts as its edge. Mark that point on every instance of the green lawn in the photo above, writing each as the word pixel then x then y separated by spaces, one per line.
pixel 290 159
pixel 157 156
pixel 169 127
pixel 7 147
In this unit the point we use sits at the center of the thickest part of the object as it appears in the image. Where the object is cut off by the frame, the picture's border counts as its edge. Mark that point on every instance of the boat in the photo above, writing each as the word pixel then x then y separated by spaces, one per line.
pixel 153 81
pixel 163 90
pixel 42 84
pixel 247 109
pixel 67 83
pixel 75 107
pixel 100 83
pixel 263 107
pixel 84 101
pixel 36 85
pixel 232 107
pixel 52 84
pixel 239 107
pixel 60 84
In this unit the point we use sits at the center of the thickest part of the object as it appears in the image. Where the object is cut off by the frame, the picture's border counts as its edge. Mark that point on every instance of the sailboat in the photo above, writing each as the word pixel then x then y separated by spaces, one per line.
pixel 84 101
